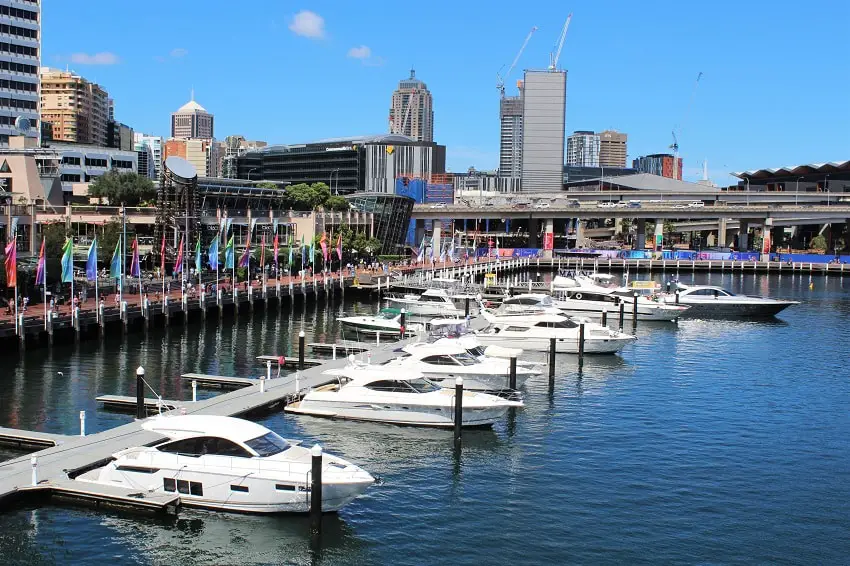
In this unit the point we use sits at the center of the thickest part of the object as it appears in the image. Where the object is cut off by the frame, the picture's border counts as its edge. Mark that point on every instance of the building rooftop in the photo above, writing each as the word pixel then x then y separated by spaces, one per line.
pixel 191 106
pixel 798 170
pixel 643 181
pixel 353 140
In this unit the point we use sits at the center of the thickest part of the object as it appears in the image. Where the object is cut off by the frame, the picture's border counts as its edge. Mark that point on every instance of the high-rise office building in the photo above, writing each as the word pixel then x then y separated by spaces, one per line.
pixel 192 121
pixel 510 142
pixel 20 56
pixel 583 149
pixel 146 162
pixel 201 153
pixel 543 126
pixel 155 144
pixel 411 110
pixel 78 110
pixel 658 164
pixel 613 148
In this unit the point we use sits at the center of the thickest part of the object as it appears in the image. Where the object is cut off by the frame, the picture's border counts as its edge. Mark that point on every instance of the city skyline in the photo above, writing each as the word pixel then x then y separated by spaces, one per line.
pixel 346 64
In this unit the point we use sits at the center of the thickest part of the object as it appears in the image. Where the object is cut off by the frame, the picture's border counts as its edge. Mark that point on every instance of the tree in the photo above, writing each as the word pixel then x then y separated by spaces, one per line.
pixel 302 196
pixel 336 203
pixel 129 188
pixel 54 235
pixel 107 237
pixel 266 185
pixel 818 243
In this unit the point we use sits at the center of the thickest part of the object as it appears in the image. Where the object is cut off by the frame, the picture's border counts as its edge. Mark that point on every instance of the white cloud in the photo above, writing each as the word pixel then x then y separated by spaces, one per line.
pixel 179 52
pixel 104 58
pixel 361 52
pixel 308 24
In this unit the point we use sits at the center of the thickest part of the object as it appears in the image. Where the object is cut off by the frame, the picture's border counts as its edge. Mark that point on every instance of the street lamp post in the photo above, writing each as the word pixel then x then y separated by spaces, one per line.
pixel 331 181
pixel 251 171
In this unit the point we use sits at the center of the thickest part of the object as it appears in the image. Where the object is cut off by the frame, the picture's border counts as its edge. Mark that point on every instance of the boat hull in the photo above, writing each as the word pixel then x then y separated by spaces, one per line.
pixel 439 417
pixel 645 313
pixel 592 345
pixel 727 309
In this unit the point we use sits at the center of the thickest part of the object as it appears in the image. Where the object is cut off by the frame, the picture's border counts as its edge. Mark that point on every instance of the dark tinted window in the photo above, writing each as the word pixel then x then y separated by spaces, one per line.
pixel 387 385
pixel 268 445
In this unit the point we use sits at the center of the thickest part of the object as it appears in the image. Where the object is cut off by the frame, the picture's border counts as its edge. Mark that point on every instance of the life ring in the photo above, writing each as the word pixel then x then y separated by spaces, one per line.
pixel 577 296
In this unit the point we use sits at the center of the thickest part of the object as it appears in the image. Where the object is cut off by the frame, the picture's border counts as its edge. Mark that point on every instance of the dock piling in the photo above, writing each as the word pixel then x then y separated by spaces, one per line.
pixel 512 374
pixel 140 393
pixel 194 391
pixel 604 317
pixel 82 423
pixel 622 313
pixel 34 464
pixel 677 296
pixel 301 351
pixel 466 307
pixel 552 349
pixel 403 321
pixel 459 410
pixel 316 490
pixel 634 307
pixel 333 351
pixel 580 343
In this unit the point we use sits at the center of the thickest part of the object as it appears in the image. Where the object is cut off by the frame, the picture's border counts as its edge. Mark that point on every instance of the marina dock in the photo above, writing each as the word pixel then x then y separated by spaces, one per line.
pixel 126 402
pixel 219 381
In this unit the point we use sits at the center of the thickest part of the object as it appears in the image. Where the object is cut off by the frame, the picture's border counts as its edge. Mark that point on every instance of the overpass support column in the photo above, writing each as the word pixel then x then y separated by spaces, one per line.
pixel 767 239
pixel 618 226
pixel 435 238
pixel 579 233
pixel 744 236
pixel 548 238
pixel 640 243
pixel 658 245
pixel 721 233
pixel 533 229
pixel 419 232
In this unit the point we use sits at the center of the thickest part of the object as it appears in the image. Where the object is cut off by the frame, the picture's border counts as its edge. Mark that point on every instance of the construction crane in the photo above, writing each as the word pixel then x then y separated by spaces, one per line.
pixel 556 54
pixel 500 80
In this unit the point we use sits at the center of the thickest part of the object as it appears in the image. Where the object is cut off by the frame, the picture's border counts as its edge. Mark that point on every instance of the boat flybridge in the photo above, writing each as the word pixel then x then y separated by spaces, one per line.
pixel 444 361
pixel 229 464
pixel 432 302
pixel 387 394
pixel 387 321
pixel 709 300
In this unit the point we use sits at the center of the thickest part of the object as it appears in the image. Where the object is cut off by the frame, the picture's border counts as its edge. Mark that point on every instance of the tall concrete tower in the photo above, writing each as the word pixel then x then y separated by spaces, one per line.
pixel 510 139
pixel 543 126
pixel 411 110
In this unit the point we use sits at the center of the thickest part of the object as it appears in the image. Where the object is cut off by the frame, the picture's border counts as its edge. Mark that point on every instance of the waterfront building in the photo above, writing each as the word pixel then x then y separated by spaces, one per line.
pixel 613 148
pixel 346 165
pixel 390 215
pixel 82 163
pixel 20 56
pixel 192 121
pixel 77 109
pixel 826 177
pixel 583 149
pixel 201 153
pixel 543 127
pixel 411 110
pixel 510 138
pixel 155 143
pixel 658 164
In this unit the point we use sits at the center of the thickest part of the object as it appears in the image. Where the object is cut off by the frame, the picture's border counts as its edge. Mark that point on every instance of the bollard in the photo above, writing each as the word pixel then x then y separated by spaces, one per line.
pixel 333 352
pixel 581 342
pixel 512 374
pixel 466 307
pixel 34 464
pixel 459 409
pixel 677 296
pixel 263 383
pixel 634 305
pixel 268 369
pixel 316 490
pixel 403 321
pixel 668 286
pixel 604 317
pixel 622 314
pixel 552 349
pixel 301 351
pixel 378 335
pixel 140 393
pixel 82 423
pixel 194 391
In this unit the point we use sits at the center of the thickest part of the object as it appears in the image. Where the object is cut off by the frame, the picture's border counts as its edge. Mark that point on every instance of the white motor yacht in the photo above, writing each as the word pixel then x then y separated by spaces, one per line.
pixel 391 395
pixel 708 300
pixel 432 302
pixel 446 359
pixel 533 332
pixel 229 464
pixel 386 321
pixel 588 299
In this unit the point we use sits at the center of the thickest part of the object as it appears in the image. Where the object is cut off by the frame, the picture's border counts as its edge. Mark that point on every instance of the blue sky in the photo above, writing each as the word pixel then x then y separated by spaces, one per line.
pixel 774 89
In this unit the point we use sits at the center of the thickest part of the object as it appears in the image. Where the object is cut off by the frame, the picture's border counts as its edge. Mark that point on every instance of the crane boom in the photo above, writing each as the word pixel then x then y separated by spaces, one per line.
pixel 500 83
pixel 557 55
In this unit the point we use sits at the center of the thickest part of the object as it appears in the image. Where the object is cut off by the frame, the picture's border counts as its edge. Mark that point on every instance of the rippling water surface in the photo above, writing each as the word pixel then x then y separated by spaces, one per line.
pixel 704 442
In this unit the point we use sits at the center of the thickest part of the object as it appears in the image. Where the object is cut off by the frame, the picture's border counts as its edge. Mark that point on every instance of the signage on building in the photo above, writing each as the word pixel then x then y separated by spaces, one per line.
pixel 548 241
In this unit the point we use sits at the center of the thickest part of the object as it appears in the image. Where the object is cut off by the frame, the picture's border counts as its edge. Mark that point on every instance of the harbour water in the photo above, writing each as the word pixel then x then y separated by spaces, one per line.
pixel 706 441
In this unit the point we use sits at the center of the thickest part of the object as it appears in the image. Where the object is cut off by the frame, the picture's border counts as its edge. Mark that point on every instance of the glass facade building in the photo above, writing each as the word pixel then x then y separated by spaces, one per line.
pixel 391 217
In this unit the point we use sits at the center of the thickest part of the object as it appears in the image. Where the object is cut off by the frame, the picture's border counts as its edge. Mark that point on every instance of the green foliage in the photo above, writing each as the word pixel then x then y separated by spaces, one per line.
pixel 309 197
pixel 266 185
pixel 336 203
pixel 107 237
pixel 818 243
pixel 54 235
pixel 129 188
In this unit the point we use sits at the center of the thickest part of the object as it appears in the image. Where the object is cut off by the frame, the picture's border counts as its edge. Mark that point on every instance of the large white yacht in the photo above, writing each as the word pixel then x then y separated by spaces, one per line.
pixel 386 321
pixel 708 300
pixel 230 464
pixel 534 331
pixel 586 298
pixel 445 360
pixel 389 395
pixel 432 302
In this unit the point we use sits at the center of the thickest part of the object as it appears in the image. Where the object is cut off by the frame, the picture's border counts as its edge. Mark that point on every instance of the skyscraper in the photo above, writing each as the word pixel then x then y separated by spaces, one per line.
pixel 612 148
pixel 411 110
pixel 192 121
pixel 155 144
pixel 510 142
pixel 78 110
pixel 20 56
pixel 583 149
pixel 658 164
pixel 543 124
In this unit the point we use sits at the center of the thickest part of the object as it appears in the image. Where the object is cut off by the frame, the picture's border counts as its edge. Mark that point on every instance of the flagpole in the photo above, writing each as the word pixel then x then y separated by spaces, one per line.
pixel 123 256
pixel 44 284
pixel 17 329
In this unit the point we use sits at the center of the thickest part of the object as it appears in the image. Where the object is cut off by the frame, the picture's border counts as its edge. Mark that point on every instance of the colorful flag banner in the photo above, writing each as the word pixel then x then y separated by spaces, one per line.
pixel 14 227
pixel 178 263
pixel 135 267
pixel 91 262
pixel 227 225
pixel 275 248
pixel 198 256
pixel 115 264
pixel 228 254
pixel 263 252
pixel 324 244
pixel 68 261
pixel 11 265
pixel 275 223
pixel 339 246
pixel 212 254
pixel 252 225
pixel 245 258
pixel 40 270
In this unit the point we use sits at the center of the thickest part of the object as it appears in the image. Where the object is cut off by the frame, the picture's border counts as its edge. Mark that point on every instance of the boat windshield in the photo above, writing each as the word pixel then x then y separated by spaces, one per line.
pixel 422 385
pixel 387 314
pixel 268 444
pixel 476 351
pixel 465 359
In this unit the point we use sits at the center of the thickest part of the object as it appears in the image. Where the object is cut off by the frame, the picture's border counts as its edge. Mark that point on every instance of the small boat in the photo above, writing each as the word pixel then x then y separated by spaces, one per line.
pixel 387 320
pixel 447 359
pixel 229 464
pixel 708 300
pixel 405 397
pixel 432 302
pixel 534 331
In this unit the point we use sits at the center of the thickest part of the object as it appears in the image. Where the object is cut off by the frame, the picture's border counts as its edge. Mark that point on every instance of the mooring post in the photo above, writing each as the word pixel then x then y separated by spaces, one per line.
pixel 466 307
pixel 301 351
pixel 604 317
pixel 634 309
pixel 677 296
pixel 403 322
pixel 82 423
pixel 378 336
pixel 316 490
pixel 140 393
pixel 622 313
pixel 580 343
pixel 552 350
pixel 458 410
pixel 333 351
pixel 34 465
pixel 194 391
pixel 512 374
